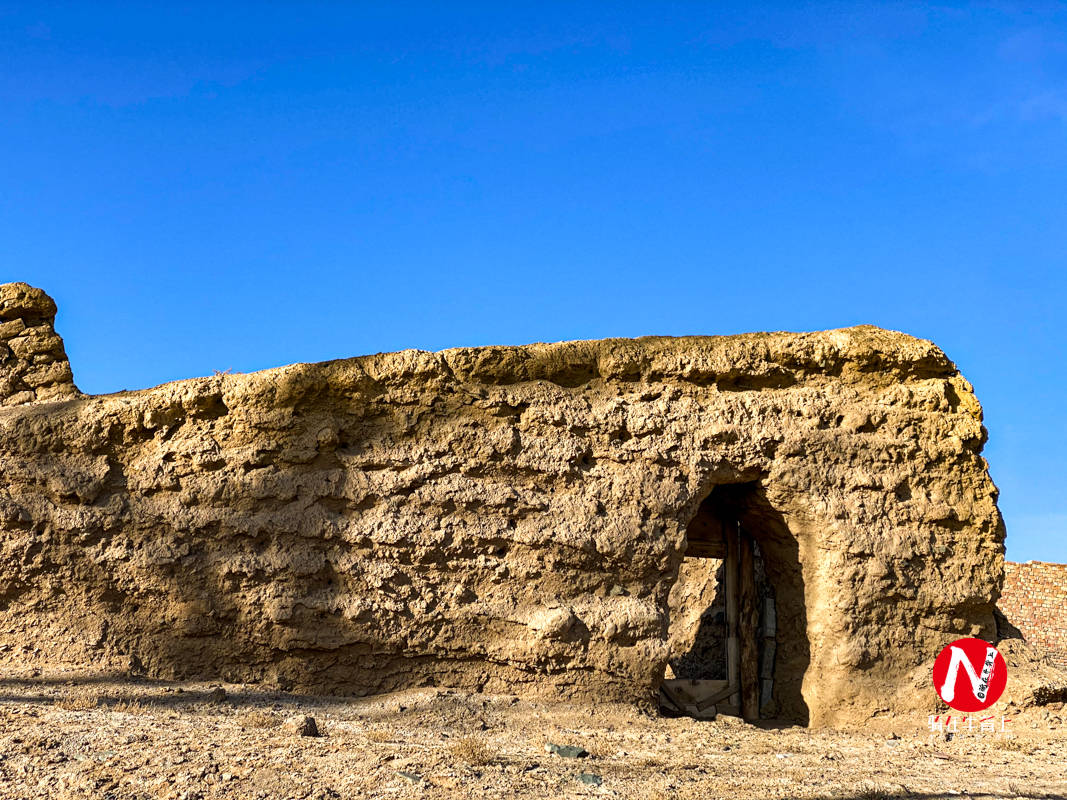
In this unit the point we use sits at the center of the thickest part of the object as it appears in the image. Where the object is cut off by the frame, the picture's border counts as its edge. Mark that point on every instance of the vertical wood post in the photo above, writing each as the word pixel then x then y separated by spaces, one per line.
pixel 733 652
pixel 748 623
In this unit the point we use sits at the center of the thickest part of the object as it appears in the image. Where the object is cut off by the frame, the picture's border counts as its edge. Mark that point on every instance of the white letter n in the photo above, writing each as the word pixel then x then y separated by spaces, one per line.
pixel 979 684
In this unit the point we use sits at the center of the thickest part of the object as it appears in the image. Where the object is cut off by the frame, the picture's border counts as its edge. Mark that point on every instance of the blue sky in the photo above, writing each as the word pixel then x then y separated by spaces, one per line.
pixel 230 185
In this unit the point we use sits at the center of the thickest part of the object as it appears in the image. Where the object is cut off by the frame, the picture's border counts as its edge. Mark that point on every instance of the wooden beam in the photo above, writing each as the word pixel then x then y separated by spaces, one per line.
pixel 704 549
pixel 748 624
pixel 733 653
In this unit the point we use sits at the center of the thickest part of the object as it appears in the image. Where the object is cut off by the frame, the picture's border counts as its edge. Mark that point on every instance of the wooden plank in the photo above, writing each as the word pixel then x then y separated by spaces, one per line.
pixel 712 699
pixel 733 653
pixel 694 698
pixel 667 698
pixel 748 625
pixel 700 693
pixel 705 549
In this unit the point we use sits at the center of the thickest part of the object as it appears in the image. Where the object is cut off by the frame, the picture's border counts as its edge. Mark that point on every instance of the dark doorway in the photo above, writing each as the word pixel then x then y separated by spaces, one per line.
pixel 738 628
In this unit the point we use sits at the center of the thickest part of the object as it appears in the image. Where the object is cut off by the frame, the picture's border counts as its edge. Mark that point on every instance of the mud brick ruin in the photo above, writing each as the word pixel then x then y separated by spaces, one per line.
pixel 804 518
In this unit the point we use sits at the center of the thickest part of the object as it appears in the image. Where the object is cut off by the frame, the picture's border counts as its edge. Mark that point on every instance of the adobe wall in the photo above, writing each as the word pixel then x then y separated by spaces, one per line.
pixel 501 518
pixel 33 362
pixel 1034 600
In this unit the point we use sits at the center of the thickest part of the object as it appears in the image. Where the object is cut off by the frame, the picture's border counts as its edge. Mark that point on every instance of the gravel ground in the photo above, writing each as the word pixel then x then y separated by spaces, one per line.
pixel 66 734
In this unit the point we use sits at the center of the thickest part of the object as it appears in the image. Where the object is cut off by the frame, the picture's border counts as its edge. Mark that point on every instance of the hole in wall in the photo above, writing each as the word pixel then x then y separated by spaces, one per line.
pixel 741 580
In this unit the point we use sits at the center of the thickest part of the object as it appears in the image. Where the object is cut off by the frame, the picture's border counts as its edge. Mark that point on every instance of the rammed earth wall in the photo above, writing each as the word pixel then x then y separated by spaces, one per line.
pixel 503 518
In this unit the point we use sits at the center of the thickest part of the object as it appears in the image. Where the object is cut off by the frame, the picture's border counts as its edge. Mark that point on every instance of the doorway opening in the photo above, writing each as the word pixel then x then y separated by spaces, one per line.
pixel 738 626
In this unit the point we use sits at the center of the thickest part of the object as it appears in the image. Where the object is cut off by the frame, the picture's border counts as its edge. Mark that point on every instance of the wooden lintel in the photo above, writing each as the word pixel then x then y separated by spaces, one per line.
pixel 705 549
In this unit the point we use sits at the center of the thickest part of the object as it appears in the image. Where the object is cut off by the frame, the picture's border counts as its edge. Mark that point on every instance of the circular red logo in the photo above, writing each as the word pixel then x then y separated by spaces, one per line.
pixel 970 674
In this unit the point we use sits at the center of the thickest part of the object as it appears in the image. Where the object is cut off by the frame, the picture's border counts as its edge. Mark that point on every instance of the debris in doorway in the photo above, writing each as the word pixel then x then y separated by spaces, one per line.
pixel 693 698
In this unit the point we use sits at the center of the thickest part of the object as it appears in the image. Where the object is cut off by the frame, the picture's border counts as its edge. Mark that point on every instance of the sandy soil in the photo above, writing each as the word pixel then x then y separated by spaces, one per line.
pixel 70 734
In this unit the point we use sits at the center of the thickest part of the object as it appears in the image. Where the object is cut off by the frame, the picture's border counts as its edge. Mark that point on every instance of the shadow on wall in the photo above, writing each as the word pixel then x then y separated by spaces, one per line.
pixel 699 601
pixel 199 554
pixel 278 562
pixel 698 625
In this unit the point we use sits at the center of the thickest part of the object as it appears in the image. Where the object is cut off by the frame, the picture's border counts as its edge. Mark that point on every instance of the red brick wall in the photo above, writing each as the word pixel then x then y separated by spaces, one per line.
pixel 1035 601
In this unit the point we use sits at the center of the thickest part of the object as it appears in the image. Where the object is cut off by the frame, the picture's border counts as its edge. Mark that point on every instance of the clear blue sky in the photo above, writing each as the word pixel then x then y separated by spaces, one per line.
pixel 231 185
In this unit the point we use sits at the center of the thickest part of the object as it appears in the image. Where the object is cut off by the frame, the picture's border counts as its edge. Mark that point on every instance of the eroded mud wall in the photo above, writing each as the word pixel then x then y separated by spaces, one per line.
pixel 507 518
pixel 33 362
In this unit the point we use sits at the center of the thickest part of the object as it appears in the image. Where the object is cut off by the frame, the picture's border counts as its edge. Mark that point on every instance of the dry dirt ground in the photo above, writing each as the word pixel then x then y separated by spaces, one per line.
pixel 66 734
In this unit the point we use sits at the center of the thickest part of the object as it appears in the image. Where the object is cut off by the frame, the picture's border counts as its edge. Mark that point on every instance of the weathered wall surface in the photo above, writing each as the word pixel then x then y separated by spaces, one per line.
pixel 1034 600
pixel 508 518
pixel 33 363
